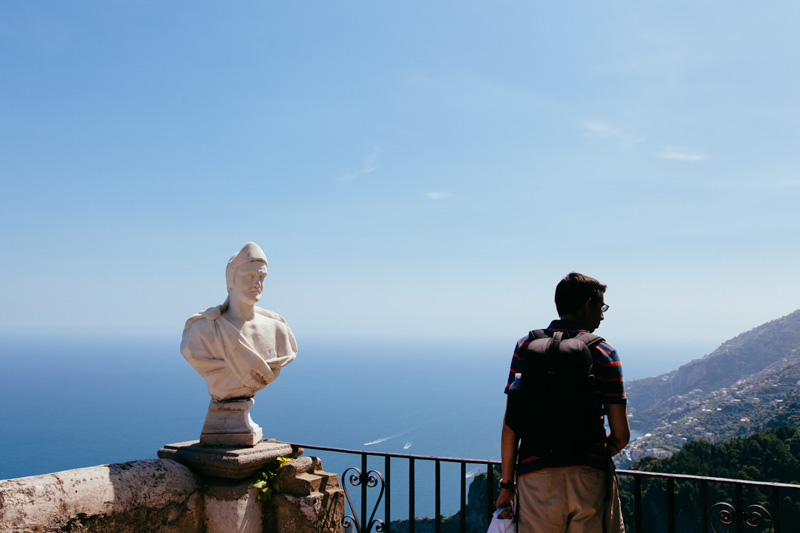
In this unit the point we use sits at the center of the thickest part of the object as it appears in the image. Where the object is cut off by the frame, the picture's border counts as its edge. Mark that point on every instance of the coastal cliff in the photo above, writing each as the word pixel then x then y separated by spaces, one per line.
pixel 477 517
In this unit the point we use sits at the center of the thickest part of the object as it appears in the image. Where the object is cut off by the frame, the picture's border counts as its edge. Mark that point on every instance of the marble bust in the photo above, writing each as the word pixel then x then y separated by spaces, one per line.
pixel 238 348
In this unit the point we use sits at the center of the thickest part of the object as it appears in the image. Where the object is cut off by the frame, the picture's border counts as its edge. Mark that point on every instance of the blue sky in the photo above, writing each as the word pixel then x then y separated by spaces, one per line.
pixel 411 169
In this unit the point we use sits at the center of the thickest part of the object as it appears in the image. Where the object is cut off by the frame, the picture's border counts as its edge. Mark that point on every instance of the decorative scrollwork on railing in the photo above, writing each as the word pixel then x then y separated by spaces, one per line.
pixel 371 480
pixel 752 517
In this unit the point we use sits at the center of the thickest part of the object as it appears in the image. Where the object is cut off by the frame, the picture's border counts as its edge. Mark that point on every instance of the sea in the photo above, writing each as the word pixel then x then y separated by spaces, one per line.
pixel 73 403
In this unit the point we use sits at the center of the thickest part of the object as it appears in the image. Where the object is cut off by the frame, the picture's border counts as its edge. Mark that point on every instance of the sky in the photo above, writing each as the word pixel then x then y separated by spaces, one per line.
pixel 417 171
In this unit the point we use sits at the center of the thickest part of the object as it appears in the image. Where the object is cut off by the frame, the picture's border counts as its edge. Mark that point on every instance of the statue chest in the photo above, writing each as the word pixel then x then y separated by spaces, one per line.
pixel 260 334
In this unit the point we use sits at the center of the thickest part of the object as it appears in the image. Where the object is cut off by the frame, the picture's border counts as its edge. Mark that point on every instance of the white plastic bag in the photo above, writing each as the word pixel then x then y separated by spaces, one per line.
pixel 500 525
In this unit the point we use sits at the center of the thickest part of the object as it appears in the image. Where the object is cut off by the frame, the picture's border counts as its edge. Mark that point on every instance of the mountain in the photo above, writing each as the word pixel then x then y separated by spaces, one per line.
pixel 748 384
pixel 749 353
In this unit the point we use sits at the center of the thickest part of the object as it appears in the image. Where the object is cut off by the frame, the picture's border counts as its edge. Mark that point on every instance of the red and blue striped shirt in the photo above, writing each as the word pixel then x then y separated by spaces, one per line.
pixel 609 388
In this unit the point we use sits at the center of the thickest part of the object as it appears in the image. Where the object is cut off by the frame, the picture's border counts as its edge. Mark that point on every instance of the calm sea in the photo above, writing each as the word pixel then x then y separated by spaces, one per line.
pixel 76 403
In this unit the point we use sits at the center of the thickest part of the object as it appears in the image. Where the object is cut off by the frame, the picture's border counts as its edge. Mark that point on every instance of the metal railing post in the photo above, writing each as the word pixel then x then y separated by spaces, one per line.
pixel 671 505
pixel 412 519
pixel 704 505
pixel 387 505
pixel 776 508
pixel 740 509
pixel 490 489
pixel 438 499
pixel 463 497
pixel 364 483
pixel 637 504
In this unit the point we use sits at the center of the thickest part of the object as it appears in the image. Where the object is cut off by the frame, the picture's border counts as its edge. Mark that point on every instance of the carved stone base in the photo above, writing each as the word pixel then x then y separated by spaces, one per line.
pixel 233 463
pixel 228 423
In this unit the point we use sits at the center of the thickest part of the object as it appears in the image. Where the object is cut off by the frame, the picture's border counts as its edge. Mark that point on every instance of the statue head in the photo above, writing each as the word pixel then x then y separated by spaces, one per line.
pixel 246 271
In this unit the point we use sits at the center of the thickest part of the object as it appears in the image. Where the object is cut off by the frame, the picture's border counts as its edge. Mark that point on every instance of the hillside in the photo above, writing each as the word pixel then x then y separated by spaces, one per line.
pixel 738 358
pixel 773 455
pixel 748 384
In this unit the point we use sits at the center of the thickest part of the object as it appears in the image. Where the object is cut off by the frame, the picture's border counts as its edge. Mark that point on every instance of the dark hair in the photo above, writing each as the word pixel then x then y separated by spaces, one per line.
pixel 573 291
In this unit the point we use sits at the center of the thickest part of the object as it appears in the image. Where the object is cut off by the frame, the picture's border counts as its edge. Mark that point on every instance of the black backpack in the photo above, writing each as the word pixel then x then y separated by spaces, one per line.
pixel 554 408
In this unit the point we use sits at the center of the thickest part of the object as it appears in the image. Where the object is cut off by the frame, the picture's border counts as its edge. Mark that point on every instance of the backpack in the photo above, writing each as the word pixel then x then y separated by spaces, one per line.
pixel 553 407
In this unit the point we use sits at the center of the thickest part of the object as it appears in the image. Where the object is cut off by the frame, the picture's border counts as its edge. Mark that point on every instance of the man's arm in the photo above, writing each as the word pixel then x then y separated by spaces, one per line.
pixel 620 428
pixel 508 454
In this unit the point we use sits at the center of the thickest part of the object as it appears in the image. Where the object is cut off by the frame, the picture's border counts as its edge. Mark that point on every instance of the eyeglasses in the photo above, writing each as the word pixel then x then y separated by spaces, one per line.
pixel 604 308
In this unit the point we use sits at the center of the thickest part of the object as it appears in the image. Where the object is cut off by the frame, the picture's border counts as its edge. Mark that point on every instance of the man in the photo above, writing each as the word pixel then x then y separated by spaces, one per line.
pixel 237 347
pixel 558 492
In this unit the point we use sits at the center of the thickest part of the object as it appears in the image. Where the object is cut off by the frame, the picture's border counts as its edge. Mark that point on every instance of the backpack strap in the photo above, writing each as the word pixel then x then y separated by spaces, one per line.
pixel 590 339
pixel 555 341
pixel 552 345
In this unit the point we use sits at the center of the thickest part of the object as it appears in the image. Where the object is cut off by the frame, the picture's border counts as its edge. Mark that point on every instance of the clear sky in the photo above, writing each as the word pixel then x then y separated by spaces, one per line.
pixel 412 169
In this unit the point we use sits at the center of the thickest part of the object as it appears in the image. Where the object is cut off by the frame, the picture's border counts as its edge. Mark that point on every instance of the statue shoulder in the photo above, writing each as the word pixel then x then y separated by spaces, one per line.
pixel 200 321
pixel 270 314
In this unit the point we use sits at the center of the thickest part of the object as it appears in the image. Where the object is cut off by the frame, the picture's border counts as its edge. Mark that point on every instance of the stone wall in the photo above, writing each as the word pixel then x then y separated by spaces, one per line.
pixel 148 495
pixel 165 496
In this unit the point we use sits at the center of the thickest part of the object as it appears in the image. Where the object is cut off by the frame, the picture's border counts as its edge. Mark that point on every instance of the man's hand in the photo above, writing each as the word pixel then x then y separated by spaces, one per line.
pixel 504 502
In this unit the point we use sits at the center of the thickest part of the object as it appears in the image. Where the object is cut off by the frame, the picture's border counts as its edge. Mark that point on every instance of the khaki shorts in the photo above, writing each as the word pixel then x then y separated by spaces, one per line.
pixel 559 500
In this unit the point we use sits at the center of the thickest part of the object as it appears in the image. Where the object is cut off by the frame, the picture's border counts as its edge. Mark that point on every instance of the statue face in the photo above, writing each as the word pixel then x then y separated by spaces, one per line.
pixel 248 282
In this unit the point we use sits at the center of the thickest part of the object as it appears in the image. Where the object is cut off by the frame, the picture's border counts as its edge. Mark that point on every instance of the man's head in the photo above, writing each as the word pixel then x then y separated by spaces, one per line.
pixel 246 271
pixel 581 298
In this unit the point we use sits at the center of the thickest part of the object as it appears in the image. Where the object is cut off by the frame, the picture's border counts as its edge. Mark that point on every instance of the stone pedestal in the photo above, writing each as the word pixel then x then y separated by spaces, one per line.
pixel 227 462
pixel 232 506
pixel 228 423
pixel 305 499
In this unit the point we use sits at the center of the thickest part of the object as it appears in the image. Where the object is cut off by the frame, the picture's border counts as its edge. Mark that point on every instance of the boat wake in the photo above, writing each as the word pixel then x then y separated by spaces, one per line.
pixel 382 439
pixel 472 472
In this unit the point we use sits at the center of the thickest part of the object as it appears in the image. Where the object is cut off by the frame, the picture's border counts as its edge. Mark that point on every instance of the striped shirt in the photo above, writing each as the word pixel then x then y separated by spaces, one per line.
pixel 609 388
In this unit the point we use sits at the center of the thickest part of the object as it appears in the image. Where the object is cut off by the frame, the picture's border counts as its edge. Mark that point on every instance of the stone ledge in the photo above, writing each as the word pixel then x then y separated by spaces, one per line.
pixel 227 462
pixel 147 495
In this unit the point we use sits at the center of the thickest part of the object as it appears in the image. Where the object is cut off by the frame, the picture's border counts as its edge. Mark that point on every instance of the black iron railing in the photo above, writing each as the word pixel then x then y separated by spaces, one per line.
pixel 740 515
pixel 714 517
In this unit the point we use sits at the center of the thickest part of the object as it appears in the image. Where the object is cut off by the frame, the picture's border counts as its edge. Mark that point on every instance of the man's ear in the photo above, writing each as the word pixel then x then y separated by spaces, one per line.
pixel 582 312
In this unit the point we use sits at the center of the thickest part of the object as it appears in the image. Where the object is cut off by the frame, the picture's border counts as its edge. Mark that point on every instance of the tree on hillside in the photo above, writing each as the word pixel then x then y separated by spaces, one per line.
pixel 772 456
